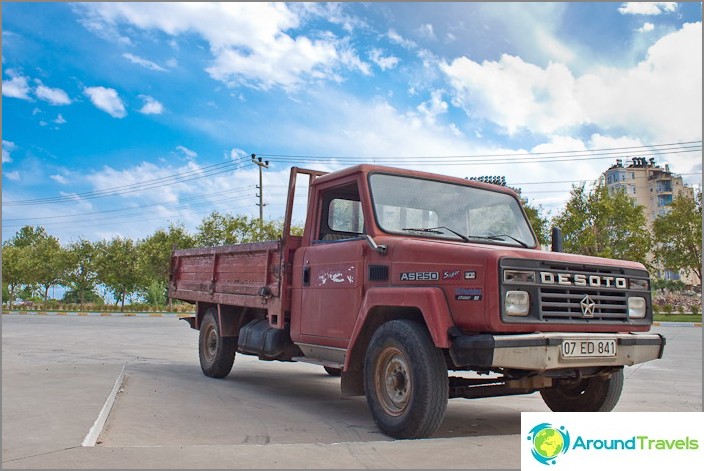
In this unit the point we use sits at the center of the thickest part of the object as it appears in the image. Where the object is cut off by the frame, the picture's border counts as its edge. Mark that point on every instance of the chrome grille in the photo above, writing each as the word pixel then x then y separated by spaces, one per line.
pixel 565 303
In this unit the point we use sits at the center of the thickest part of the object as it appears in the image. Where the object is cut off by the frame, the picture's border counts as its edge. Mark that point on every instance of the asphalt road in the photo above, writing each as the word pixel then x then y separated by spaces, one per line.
pixel 57 373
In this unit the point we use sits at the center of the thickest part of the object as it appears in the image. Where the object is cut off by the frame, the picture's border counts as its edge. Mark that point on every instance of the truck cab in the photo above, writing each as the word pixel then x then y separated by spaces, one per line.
pixel 403 277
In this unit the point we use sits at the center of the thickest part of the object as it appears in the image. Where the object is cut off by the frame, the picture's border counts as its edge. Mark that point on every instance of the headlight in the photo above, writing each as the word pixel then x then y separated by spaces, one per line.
pixel 516 276
pixel 517 303
pixel 636 307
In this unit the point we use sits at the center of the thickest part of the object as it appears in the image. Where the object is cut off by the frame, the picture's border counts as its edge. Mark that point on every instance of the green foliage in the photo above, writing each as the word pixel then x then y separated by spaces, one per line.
pixel 678 236
pixel 15 271
pixel 695 310
pixel 156 293
pixel 155 252
pixel 599 224
pixel 81 274
pixel 82 298
pixel 118 267
pixel 670 285
pixel 39 257
pixel 539 223
pixel 227 229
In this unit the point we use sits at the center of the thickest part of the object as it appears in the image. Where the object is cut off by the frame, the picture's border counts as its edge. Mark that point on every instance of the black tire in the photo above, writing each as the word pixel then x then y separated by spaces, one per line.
pixel 405 380
pixel 333 371
pixel 217 354
pixel 595 394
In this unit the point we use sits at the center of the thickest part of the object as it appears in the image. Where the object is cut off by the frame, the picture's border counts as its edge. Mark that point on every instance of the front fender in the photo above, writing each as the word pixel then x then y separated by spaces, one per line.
pixel 429 300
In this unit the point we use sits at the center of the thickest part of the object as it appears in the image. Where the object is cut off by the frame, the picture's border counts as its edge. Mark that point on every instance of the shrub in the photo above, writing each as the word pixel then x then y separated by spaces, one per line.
pixel 680 309
pixel 667 308
pixel 695 310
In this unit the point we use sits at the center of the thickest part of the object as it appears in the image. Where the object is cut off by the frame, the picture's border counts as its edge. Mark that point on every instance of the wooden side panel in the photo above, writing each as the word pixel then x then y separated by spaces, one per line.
pixel 249 275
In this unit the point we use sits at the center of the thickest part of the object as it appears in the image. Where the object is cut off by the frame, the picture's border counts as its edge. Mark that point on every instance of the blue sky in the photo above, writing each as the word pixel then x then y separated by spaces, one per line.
pixel 119 118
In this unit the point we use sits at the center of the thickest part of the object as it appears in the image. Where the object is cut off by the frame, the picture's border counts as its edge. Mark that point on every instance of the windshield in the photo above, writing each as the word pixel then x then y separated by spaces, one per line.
pixel 429 208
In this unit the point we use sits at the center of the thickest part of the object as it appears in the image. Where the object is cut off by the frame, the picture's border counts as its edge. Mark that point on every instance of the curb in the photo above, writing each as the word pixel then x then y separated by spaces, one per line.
pixel 96 314
pixel 91 438
pixel 676 324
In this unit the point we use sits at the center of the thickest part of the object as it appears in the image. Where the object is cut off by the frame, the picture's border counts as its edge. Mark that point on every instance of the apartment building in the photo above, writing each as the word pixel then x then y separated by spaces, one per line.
pixel 652 187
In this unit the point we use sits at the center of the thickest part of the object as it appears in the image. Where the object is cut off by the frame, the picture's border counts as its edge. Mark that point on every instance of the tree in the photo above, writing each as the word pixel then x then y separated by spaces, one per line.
pixel 44 260
pixel 48 264
pixel 28 236
pixel 14 270
pixel 81 274
pixel 599 224
pixel 678 236
pixel 226 229
pixel 155 260
pixel 155 251
pixel 539 223
pixel 117 266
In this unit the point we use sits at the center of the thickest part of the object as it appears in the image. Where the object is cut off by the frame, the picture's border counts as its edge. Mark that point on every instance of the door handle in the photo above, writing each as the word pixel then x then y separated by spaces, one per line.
pixel 306 276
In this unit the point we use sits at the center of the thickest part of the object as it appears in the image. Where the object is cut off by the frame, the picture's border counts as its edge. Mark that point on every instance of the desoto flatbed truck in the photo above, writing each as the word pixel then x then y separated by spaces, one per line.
pixel 401 279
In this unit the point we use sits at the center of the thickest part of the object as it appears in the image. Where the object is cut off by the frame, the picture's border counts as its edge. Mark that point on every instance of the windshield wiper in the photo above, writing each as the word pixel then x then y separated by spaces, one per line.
pixel 499 237
pixel 434 230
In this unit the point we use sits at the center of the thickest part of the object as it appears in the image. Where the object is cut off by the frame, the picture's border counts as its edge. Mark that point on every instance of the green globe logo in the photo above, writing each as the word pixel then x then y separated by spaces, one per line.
pixel 548 442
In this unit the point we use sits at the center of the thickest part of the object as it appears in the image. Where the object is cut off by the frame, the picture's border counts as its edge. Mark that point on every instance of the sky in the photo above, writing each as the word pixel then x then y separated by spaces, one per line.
pixel 122 118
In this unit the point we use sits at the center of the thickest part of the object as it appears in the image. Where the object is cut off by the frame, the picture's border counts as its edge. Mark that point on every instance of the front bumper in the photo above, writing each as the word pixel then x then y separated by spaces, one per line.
pixel 543 351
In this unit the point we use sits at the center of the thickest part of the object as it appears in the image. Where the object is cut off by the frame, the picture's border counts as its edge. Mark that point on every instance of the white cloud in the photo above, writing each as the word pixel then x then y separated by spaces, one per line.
pixel 647 8
pixel 515 94
pixel 106 99
pixel 147 64
pixel 384 62
pixel 433 107
pixel 16 87
pixel 188 153
pixel 660 97
pixel 396 38
pixel 60 119
pixel 151 106
pixel 426 31
pixel 7 147
pixel 14 176
pixel 646 28
pixel 172 63
pixel 59 179
pixel 53 96
pixel 250 42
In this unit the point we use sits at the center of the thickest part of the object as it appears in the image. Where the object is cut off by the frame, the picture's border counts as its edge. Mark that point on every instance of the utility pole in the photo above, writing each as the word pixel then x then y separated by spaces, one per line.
pixel 265 164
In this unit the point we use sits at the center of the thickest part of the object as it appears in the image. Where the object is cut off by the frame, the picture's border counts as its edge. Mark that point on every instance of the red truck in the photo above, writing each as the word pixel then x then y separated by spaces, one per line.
pixel 415 288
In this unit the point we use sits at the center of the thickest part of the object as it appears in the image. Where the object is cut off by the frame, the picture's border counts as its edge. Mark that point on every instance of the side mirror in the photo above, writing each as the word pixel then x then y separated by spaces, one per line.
pixel 557 239
pixel 379 248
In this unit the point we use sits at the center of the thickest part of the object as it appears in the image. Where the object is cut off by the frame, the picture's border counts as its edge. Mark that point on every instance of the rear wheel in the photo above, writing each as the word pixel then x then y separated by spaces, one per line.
pixel 405 380
pixel 595 394
pixel 217 354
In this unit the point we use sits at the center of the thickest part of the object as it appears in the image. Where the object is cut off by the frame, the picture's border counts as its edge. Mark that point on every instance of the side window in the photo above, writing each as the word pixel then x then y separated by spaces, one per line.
pixel 342 216
pixel 345 216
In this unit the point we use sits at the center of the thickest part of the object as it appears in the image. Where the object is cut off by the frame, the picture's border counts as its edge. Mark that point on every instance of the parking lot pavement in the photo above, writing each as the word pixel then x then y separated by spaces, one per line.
pixel 58 373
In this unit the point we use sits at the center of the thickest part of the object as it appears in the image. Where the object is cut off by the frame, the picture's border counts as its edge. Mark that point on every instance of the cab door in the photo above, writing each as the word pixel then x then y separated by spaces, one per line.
pixel 332 271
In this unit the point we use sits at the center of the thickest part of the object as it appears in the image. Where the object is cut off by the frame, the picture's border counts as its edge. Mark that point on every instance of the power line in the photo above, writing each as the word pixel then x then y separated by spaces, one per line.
pixel 181 177
pixel 133 208
pixel 655 148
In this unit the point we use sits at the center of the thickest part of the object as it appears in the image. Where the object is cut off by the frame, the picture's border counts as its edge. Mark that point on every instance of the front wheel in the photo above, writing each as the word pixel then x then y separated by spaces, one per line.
pixel 217 354
pixel 405 380
pixel 595 394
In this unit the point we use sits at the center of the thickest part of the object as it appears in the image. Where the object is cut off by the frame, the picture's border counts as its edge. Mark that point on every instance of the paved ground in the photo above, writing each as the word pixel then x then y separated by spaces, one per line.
pixel 58 371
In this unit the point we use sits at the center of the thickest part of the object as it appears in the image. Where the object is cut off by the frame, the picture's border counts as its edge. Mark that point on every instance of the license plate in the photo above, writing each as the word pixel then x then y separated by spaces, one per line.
pixel 588 348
